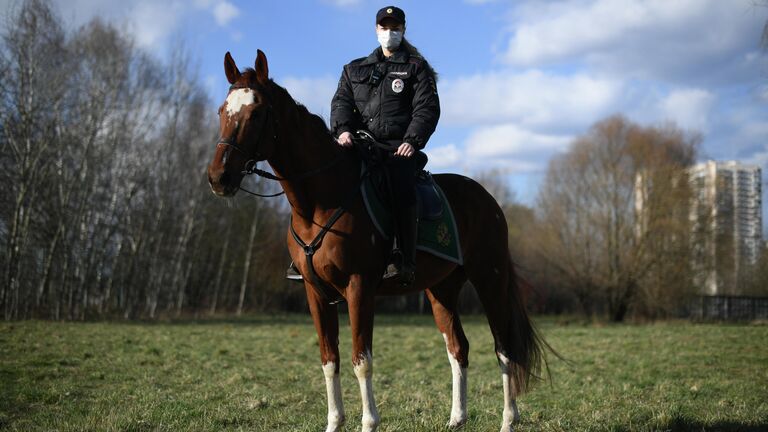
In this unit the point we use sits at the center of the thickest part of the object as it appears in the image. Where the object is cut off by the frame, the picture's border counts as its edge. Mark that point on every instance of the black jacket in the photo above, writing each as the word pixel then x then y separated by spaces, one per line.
pixel 394 98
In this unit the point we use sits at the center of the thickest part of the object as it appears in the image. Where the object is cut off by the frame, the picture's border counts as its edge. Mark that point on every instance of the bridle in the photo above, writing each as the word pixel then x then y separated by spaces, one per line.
pixel 250 166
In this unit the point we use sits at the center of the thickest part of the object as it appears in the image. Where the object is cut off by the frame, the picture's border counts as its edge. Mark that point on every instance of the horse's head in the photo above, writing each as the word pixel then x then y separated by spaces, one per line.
pixel 246 126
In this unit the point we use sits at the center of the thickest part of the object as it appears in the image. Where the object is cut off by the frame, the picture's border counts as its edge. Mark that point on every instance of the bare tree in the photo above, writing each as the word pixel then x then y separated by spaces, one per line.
pixel 107 211
pixel 33 57
pixel 614 212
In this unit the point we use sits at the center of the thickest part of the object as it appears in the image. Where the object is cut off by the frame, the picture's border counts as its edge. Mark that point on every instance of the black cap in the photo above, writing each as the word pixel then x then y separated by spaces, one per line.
pixel 393 12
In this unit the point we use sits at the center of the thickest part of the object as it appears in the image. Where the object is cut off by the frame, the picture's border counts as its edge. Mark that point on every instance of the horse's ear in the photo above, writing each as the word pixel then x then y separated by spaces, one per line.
pixel 261 66
pixel 230 68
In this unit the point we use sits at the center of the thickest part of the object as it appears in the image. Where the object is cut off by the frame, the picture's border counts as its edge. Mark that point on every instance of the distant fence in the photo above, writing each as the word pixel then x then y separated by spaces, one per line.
pixel 730 308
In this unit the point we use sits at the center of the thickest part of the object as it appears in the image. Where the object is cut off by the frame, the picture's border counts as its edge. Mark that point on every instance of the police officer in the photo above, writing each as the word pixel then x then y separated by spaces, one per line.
pixel 392 93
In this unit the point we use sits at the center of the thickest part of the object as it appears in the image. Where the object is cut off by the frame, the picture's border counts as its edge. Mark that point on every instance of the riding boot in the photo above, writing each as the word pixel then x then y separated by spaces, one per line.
pixel 404 262
pixel 409 224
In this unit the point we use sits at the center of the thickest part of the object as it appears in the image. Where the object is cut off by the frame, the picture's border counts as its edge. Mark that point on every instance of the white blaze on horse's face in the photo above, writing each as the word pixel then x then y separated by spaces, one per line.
pixel 239 98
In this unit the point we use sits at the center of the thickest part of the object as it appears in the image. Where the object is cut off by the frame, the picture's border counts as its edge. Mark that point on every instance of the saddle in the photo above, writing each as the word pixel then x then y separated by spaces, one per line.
pixel 429 200
pixel 373 154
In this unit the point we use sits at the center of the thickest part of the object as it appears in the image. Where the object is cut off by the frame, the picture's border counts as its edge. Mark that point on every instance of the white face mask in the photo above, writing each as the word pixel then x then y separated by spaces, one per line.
pixel 389 39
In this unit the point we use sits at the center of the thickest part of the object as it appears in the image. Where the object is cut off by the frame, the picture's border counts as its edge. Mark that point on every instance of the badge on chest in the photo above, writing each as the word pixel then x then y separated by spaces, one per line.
pixel 397 85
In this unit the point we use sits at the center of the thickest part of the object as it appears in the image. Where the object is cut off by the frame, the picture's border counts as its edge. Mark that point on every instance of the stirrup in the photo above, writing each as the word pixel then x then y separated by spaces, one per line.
pixel 391 272
pixel 395 262
pixel 406 278
pixel 292 273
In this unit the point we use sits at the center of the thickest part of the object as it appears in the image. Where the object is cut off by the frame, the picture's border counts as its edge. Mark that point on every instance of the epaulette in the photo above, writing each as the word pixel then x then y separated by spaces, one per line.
pixel 357 60
pixel 416 59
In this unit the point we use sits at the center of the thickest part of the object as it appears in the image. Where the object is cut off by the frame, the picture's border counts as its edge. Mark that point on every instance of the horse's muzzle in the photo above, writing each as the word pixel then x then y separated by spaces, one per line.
pixel 222 183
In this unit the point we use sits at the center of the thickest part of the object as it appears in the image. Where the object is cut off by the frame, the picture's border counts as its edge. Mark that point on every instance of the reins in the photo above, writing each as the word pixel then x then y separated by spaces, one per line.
pixel 251 168
pixel 326 292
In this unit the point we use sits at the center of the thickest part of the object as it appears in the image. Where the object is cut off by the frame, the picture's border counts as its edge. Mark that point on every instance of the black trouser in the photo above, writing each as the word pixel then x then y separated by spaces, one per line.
pixel 402 180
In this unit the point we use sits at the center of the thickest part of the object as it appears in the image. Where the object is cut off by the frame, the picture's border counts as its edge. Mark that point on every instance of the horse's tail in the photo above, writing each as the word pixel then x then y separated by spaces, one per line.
pixel 526 347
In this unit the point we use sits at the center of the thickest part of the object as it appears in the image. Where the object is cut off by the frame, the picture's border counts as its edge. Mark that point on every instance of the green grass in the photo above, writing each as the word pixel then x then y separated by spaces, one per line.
pixel 263 374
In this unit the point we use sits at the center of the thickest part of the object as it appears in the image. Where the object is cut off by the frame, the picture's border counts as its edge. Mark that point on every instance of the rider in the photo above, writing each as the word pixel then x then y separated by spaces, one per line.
pixel 391 93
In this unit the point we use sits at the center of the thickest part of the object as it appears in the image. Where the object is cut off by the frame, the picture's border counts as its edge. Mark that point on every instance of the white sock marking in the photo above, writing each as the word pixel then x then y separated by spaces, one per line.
pixel 237 99
pixel 510 415
pixel 364 374
pixel 459 400
pixel 336 416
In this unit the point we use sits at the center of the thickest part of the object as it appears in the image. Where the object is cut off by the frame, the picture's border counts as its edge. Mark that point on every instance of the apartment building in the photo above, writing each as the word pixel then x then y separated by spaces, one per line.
pixel 727 224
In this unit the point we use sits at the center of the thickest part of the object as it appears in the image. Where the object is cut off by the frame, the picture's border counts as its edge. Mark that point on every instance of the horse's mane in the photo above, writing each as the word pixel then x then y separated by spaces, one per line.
pixel 275 90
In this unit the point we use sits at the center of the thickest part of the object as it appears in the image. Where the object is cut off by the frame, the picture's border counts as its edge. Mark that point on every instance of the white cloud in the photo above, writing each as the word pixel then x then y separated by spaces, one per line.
pixel 511 140
pixel 763 93
pixel 508 148
pixel 760 159
pixel 443 156
pixel 646 39
pixel 224 12
pixel 532 98
pixel 689 108
pixel 152 22
pixel 314 93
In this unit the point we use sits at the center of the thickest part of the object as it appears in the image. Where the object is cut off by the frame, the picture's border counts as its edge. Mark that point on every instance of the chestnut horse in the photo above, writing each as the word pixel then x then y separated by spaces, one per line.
pixel 260 121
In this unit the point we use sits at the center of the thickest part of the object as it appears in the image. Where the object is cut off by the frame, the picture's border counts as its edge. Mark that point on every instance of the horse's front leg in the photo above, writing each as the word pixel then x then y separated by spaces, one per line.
pixel 326 320
pixel 361 305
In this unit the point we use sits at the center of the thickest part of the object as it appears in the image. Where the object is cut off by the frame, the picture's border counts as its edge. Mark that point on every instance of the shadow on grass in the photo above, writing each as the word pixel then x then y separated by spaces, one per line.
pixel 694 426
pixel 381 319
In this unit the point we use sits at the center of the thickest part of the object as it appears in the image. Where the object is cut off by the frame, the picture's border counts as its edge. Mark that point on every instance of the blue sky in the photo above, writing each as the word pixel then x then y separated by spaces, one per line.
pixel 518 79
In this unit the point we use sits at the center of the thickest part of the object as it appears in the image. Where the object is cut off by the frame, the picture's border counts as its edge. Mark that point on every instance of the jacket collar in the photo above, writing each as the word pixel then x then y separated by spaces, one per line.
pixel 377 56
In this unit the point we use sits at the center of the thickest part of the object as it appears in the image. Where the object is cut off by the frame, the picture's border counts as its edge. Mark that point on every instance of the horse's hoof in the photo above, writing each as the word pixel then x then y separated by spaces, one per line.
pixel 457 424
pixel 370 424
pixel 335 424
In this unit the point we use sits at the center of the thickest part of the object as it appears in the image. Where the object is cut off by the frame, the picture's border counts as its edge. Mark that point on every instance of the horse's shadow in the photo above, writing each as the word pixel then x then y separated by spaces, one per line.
pixel 684 425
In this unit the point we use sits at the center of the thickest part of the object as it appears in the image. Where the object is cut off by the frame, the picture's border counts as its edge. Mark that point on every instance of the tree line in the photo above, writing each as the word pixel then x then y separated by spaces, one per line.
pixel 106 211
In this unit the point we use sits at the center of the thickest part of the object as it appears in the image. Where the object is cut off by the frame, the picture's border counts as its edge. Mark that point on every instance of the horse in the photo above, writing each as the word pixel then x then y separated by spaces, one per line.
pixel 260 121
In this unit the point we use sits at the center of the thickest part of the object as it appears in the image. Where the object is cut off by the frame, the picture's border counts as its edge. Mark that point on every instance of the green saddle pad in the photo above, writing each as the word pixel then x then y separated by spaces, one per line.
pixel 438 237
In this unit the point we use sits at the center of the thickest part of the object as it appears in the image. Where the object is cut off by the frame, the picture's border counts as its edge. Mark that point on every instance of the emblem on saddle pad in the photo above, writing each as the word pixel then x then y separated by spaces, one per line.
pixel 442 235
pixel 397 85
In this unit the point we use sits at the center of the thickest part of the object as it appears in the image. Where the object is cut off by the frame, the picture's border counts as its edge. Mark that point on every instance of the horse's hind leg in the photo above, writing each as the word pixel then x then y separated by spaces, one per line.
pixel 517 346
pixel 444 298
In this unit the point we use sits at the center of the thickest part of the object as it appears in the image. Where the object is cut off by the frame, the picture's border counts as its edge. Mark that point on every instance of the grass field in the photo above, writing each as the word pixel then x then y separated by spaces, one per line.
pixel 263 374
